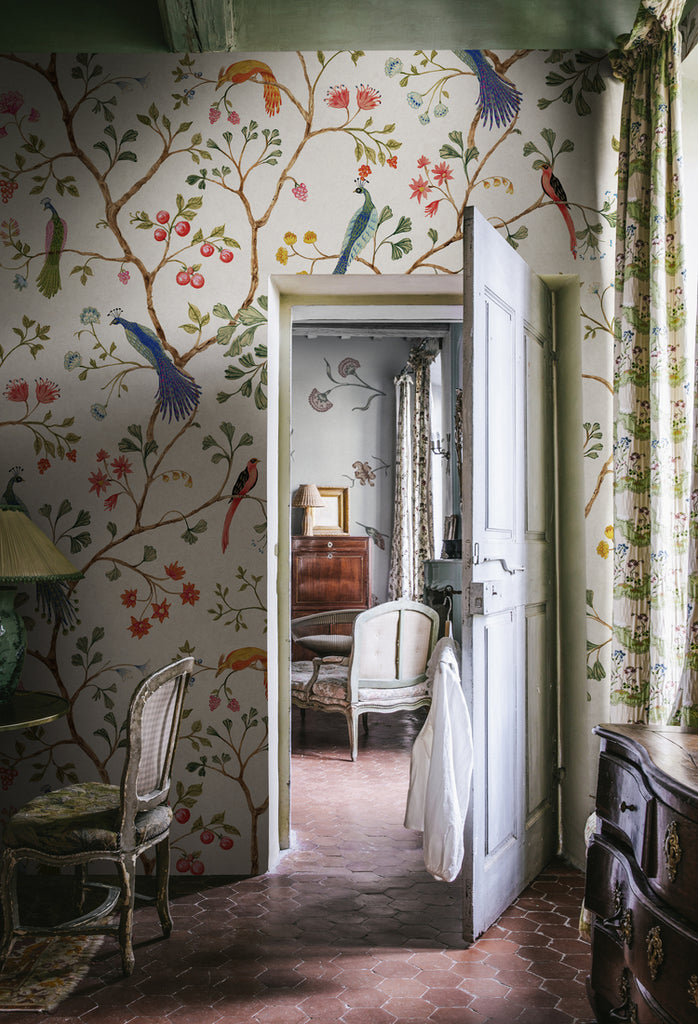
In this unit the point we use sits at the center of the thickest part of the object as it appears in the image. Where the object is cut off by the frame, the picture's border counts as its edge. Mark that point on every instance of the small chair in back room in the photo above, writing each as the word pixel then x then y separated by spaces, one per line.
pixel 95 821
pixel 385 672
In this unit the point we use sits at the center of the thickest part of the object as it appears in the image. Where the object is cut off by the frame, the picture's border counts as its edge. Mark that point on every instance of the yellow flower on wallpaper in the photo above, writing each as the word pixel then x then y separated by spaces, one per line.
pixel 282 255
pixel 609 532
pixel 602 548
pixel 290 238
pixel 309 237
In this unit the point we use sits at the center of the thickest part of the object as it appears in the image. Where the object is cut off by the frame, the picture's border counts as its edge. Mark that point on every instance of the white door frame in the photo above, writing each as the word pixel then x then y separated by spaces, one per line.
pixel 285 292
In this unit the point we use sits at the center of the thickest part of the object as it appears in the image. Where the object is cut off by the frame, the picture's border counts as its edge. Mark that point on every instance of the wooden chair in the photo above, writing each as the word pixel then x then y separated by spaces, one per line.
pixel 385 671
pixel 93 821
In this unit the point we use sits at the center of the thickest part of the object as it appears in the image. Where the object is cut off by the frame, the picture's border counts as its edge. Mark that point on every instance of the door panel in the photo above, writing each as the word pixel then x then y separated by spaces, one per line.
pixel 509 660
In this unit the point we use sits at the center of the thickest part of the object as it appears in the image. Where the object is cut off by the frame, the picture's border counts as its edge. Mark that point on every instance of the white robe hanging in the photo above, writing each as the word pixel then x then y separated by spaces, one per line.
pixel 441 767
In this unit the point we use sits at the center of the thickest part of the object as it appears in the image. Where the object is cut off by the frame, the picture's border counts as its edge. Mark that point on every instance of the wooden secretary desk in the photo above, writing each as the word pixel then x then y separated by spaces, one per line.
pixel 327 572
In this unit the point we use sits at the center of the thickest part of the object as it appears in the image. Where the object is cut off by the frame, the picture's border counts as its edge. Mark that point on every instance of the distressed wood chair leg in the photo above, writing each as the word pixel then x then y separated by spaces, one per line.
pixel 162 857
pixel 127 870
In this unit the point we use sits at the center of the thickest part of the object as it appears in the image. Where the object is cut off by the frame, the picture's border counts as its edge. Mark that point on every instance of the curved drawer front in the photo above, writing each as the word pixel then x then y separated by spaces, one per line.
pixel 675 874
pixel 660 949
pixel 616 995
pixel 623 802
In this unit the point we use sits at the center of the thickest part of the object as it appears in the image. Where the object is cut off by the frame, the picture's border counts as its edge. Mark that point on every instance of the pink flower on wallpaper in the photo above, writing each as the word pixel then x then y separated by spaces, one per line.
pixel 189 594
pixel 121 466
pixel 139 627
pixel 101 455
pixel 234 704
pixel 124 276
pixel 213 701
pixel 34 115
pixel 348 366
pixel 234 117
pixel 46 391
pixel 7 189
pixel 42 465
pixel 161 611
pixel 392 162
pixel 17 390
pixel 423 161
pixel 213 115
pixel 367 97
pixel 110 502
pixel 128 598
pixel 420 188
pixel 72 454
pixel 10 102
pixel 338 97
pixel 442 172
pixel 432 207
pixel 300 192
pixel 99 481
pixel 319 401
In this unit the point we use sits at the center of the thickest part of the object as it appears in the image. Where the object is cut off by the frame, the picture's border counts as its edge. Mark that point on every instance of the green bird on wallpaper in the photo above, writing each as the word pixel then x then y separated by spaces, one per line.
pixel 49 279
pixel 360 230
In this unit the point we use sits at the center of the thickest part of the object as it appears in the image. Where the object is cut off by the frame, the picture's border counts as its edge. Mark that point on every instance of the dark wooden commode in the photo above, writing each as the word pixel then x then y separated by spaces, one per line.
pixel 642 877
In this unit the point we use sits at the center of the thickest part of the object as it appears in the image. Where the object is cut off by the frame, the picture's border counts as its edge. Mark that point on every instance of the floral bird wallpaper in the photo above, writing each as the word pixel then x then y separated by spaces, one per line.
pixel 144 202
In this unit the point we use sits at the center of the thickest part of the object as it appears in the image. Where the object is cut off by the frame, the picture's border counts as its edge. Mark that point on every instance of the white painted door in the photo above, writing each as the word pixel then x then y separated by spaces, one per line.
pixel 509 629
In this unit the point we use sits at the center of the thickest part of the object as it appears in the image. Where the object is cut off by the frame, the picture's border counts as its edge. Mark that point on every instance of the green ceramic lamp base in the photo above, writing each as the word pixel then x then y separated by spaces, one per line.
pixel 13 643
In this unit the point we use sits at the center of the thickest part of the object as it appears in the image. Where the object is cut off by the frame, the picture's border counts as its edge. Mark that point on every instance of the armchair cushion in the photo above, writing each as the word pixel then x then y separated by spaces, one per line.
pixel 85 816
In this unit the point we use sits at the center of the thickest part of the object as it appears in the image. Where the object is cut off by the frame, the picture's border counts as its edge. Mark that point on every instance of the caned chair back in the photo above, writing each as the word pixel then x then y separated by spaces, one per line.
pixel 152 729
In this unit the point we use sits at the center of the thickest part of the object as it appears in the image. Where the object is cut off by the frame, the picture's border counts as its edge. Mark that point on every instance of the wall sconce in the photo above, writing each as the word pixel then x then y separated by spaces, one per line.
pixel 308 497
pixel 438 448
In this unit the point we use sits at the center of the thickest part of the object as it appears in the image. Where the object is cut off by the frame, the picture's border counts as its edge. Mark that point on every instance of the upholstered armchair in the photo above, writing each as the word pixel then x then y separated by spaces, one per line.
pixel 384 672
pixel 96 821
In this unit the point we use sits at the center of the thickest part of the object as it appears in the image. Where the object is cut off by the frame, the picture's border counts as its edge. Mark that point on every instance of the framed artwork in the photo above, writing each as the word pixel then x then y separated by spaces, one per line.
pixel 333 517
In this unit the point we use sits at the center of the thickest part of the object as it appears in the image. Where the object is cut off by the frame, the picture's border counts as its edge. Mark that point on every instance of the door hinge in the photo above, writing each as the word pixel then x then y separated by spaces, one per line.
pixel 559 774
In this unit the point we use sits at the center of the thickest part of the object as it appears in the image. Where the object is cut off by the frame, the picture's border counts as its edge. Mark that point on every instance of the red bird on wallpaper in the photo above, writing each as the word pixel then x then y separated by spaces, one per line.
pixel 243 70
pixel 243 485
pixel 553 188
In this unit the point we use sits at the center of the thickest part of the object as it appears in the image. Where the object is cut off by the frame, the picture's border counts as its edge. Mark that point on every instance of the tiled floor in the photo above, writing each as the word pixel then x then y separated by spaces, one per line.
pixel 349 927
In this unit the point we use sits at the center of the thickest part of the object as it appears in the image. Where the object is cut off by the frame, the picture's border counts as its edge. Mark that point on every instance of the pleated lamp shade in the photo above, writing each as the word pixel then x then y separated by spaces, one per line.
pixel 27 554
pixel 308 497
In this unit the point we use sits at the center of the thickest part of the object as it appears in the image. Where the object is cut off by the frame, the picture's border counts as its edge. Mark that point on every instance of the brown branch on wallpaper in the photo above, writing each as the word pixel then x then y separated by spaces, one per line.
pixel 604 471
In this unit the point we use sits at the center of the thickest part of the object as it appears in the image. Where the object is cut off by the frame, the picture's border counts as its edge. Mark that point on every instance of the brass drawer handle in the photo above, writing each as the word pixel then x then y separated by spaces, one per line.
pixel 655 951
pixel 626 1013
pixel 620 921
pixel 693 989
pixel 627 807
pixel 672 850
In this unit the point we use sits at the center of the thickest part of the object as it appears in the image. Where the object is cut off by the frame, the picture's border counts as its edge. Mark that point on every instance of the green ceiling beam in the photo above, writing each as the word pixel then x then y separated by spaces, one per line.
pixel 198 26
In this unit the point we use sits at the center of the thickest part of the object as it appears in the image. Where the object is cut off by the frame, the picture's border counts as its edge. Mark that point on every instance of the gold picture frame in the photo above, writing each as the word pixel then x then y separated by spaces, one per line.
pixel 333 516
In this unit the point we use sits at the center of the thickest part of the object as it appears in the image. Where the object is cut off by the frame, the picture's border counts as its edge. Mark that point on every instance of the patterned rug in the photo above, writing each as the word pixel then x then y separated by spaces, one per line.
pixel 40 974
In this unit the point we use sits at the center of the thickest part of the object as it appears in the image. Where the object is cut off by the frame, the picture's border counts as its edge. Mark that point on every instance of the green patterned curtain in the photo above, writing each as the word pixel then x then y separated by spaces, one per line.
pixel 654 377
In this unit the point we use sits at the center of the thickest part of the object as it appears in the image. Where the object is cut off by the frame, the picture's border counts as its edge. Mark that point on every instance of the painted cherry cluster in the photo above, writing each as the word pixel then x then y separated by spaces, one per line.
pixel 182 227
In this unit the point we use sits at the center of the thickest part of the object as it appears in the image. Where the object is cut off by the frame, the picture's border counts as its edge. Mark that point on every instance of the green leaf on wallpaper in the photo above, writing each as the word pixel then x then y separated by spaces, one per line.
pixel 111 527
pixel 113 573
pixel 399 249
pixel 590 598
pixel 260 398
pixel 404 224
pixel 153 111
pixel 385 214
pixel 224 334
pixel 250 316
pixel 433 235
pixel 79 541
pixel 222 311
pixel 190 534
pixel 321 57
pixel 262 301
pixel 150 448
pixel 245 441
pixel 355 54
pixel 549 136
pixel 228 430
pixel 149 553
pixel 45 511
pixel 144 119
pixel 83 518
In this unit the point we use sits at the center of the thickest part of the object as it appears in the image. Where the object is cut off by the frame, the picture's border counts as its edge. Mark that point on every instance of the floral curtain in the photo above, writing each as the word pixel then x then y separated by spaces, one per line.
pixel 401 553
pixel 654 358
pixel 413 518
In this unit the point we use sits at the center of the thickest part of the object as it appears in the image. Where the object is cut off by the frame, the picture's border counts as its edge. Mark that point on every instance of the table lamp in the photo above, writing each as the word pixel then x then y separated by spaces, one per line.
pixel 26 556
pixel 308 497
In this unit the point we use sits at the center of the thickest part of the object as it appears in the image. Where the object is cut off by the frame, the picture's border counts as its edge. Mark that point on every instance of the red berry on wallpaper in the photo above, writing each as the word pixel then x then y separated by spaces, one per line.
pixel 226 843
pixel 207 836
pixel 183 277
pixel 197 868
pixel 207 249
pixel 162 216
pixel 182 815
pixel 182 865
pixel 197 280
pixel 159 234
pixel 226 255
pixel 182 227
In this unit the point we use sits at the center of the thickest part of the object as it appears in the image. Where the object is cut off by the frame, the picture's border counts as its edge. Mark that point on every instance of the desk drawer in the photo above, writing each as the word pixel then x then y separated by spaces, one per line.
pixel 625 804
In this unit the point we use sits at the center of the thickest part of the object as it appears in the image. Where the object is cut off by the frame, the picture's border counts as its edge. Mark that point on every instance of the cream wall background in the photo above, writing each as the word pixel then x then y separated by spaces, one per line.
pixel 139 501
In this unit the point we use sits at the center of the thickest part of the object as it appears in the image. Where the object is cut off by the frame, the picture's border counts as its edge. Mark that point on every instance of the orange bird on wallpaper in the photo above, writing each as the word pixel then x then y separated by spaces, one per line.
pixel 554 190
pixel 242 486
pixel 243 70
